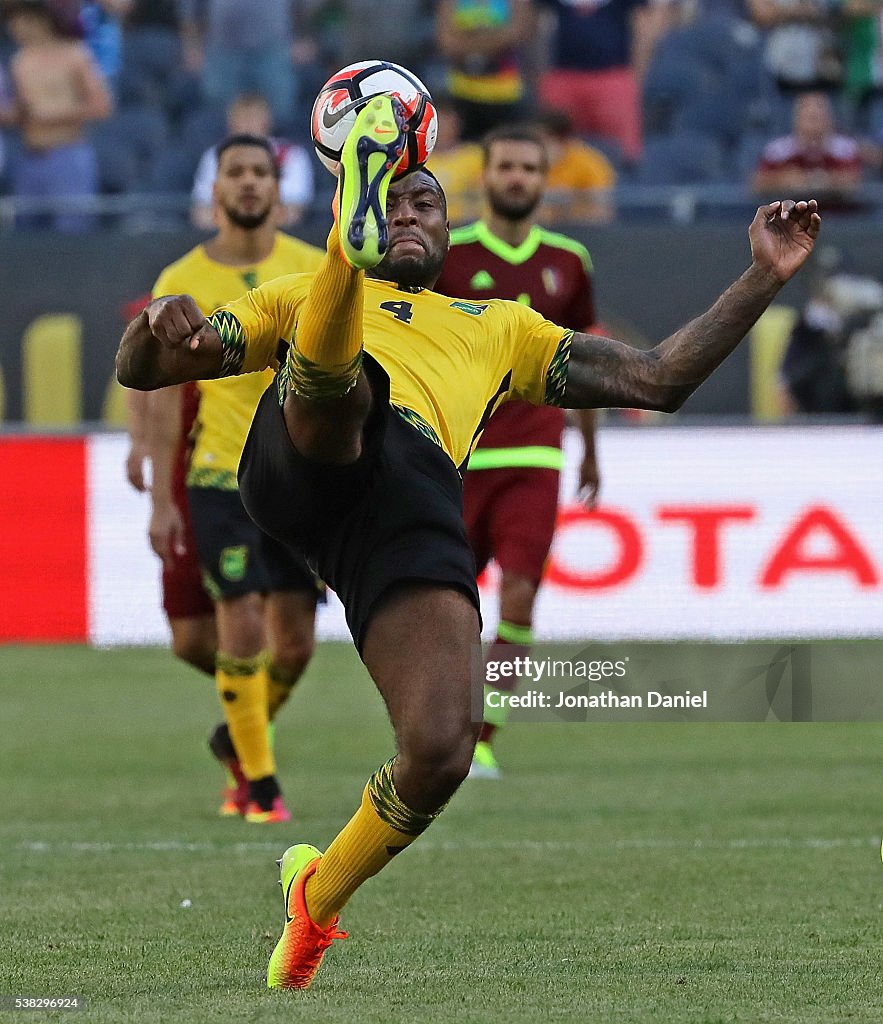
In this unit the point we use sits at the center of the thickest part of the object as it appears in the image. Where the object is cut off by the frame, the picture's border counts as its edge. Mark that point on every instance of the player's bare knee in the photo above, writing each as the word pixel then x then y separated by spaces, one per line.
pixel 517 596
pixel 241 625
pixel 193 650
pixel 293 654
pixel 194 642
pixel 436 758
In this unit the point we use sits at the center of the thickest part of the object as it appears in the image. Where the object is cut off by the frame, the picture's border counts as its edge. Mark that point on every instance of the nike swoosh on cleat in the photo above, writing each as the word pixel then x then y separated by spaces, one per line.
pixel 331 117
pixel 288 917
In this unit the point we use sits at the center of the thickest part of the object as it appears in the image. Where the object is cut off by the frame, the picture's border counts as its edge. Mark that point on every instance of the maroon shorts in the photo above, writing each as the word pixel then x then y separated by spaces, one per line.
pixel 510 517
pixel 183 595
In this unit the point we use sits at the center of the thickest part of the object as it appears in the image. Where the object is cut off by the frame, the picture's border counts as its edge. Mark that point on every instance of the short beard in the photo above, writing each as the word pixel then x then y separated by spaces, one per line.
pixel 410 272
pixel 248 221
pixel 513 209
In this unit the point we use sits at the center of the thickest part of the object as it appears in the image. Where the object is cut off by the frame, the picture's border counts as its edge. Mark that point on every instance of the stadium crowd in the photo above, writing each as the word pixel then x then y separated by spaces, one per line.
pixel 123 98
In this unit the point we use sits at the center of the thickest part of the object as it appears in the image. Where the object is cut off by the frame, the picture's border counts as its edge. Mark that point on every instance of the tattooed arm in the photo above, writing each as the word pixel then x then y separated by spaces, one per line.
pixel 169 342
pixel 602 372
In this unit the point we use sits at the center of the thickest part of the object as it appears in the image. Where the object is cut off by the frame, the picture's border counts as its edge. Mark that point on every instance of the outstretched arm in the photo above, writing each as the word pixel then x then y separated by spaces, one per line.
pixel 169 342
pixel 605 373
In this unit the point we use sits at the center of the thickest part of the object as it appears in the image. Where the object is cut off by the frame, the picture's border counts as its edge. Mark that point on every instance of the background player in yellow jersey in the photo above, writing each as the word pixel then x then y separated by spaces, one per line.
pixel 264 596
pixel 353 458
pixel 510 492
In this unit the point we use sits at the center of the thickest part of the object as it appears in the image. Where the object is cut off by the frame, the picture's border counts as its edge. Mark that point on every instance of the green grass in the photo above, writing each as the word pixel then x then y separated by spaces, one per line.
pixel 620 873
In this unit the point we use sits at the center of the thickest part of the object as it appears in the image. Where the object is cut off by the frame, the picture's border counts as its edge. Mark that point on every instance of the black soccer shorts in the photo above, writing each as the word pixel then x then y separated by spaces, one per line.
pixel 394 515
pixel 237 557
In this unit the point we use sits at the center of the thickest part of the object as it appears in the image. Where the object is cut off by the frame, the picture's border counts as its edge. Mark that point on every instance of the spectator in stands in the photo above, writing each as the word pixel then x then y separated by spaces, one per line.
pixel 862 53
pixel 101 22
pixel 482 42
pixel 814 374
pixel 153 55
pixel 802 47
pixel 249 114
pixel 600 54
pixel 245 46
pixel 813 158
pixel 397 30
pixel 580 178
pixel 458 165
pixel 58 90
pixel 5 103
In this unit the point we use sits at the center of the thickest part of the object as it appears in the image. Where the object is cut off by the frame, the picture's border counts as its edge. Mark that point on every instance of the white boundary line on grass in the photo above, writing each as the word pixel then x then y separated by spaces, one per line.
pixel 647 843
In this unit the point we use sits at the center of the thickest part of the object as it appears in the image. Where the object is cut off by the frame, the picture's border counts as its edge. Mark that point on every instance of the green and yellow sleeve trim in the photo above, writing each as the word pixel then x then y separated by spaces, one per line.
pixel 232 341
pixel 556 375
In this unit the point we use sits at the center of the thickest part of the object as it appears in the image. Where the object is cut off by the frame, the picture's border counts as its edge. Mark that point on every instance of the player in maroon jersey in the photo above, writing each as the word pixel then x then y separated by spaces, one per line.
pixel 510 492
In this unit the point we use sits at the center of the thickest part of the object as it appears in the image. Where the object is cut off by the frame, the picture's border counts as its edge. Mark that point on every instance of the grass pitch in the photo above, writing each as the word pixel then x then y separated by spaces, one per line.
pixel 619 873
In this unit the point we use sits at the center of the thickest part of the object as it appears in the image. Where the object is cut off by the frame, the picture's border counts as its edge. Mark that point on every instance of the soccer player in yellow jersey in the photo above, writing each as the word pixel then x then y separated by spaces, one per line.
pixel 353 457
pixel 265 597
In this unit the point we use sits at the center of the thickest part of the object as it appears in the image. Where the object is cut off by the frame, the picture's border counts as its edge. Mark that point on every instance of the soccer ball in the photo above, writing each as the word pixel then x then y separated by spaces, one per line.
pixel 343 96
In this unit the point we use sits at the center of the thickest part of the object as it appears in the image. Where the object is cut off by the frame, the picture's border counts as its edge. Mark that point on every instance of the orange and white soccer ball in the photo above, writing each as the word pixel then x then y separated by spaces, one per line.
pixel 343 96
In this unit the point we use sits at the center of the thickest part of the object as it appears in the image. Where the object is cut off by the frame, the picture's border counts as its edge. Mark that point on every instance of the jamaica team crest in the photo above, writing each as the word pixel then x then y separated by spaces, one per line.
pixel 234 562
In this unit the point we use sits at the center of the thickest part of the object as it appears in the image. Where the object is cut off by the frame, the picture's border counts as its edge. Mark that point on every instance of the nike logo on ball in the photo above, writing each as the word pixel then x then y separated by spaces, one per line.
pixel 331 117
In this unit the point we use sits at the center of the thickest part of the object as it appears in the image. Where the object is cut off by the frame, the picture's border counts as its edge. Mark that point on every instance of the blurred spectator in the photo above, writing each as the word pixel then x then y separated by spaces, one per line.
pixel 58 90
pixel 6 105
pixel 246 46
pixel 862 57
pixel 481 40
pixel 250 115
pixel 833 336
pixel 103 33
pixel 600 54
pixel 153 57
pixel 400 31
pixel 813 159
pixel 458 165
pixel 580 178
pixel 802 47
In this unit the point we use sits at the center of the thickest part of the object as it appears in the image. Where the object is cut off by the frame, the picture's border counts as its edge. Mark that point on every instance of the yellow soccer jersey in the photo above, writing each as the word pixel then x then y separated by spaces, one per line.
pixel 450 362
pixel 227 406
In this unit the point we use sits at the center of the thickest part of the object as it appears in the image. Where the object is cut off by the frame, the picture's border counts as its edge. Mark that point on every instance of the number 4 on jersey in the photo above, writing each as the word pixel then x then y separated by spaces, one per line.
pixel 400 310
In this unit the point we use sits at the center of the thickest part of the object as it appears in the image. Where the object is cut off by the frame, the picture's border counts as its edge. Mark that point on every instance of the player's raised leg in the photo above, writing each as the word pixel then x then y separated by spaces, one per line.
pixel 418 650
pixel 329 401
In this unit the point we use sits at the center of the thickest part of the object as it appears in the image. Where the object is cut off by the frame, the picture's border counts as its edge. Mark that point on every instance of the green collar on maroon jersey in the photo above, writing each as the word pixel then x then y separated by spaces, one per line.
pixel 480 232
pixel 515 255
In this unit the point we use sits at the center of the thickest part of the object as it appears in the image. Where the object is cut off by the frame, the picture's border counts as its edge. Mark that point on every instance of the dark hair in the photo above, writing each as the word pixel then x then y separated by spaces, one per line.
pixel 514 133
pixel 38 8
pixel 259 141
pixel 555 122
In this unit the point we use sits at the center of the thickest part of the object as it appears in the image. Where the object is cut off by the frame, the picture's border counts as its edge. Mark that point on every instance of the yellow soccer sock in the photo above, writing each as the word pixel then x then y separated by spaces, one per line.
pixel 280 683
pixel 242 687
pixel 382 827
pixel 325 357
